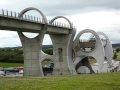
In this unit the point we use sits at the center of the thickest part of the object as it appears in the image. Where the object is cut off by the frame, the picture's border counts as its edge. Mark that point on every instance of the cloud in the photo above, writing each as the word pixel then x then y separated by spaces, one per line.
pixel 113 36
pixel 61 7
pixel 97 20
pixel 9 39
pixel 99 15
pixel 107 22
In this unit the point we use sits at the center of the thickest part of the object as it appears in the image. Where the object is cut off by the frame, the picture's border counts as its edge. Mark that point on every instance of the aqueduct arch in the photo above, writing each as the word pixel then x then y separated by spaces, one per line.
pixel 62 50
pixel 98 52
pixel 32 48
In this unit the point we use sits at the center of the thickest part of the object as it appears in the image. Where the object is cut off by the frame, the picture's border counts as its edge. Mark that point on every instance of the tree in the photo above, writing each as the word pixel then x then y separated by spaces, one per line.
pixel 115 55
pixel 48 51
pixel 117 50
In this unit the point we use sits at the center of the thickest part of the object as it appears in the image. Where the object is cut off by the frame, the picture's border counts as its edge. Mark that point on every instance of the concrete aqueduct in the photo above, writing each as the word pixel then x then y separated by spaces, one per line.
pixel 62 37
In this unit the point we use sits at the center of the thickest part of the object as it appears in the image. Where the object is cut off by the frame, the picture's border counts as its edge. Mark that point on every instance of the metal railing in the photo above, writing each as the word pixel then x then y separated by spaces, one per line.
pixel 10 14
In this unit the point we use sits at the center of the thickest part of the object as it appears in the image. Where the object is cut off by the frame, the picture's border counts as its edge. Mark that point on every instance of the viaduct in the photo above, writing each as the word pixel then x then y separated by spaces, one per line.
pixel 61 36
pixel 63 44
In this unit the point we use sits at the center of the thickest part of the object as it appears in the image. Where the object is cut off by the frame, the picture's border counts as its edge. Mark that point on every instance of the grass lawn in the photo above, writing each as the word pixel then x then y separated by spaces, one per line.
pixel 109 81
pixel 10 64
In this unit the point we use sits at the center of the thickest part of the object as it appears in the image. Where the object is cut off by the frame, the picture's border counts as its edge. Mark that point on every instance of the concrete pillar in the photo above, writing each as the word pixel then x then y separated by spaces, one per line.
pixel 32 47
pixel 32 54
pixel 62 51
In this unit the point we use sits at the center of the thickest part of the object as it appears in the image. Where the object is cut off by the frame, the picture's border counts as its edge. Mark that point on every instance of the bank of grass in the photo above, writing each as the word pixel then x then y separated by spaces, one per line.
pixel 109 81
pixel 5 65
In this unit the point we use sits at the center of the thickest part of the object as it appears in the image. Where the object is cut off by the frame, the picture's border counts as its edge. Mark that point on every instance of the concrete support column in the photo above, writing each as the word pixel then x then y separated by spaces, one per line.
pixel 62 46
pixel 32 53
pixel 32 47
pixel 62 51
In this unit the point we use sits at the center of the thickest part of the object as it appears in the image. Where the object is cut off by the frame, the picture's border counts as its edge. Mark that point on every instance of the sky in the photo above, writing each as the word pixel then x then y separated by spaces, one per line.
pixel 98 15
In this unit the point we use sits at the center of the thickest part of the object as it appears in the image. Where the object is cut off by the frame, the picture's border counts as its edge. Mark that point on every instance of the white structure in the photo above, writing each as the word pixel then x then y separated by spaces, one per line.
pixel 107 48
pixel 102 51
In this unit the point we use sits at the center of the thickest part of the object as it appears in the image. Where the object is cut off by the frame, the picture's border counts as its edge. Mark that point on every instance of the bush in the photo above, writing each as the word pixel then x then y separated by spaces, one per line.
pixel 15 55
pixel 11 55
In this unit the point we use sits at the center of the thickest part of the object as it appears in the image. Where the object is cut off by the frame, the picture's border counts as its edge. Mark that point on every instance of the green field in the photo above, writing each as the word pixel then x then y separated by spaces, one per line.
pixel 110 81
pixel 5 65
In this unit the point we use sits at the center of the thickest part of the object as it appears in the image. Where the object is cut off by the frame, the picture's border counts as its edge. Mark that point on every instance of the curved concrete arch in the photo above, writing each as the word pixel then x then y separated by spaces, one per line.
pixel 43 18
pixel 49 58
pixel 98 52
pixel 103 34
pixel 57 17
pixel 23 36
pixel 84 62
pixel 108 49
pixel 32 8
pixel 46 56
pixel 76 41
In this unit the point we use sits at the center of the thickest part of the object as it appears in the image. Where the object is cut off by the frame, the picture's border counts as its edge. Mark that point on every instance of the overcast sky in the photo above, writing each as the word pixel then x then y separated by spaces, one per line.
pixel 99 15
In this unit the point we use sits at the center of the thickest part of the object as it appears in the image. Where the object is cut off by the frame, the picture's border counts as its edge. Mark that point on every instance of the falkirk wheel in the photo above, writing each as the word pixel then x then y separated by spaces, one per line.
pixel 68 54
pixel 98 47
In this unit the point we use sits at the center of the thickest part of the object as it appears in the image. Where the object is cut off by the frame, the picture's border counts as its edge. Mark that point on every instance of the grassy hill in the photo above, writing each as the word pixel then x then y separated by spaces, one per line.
pixel 110 81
